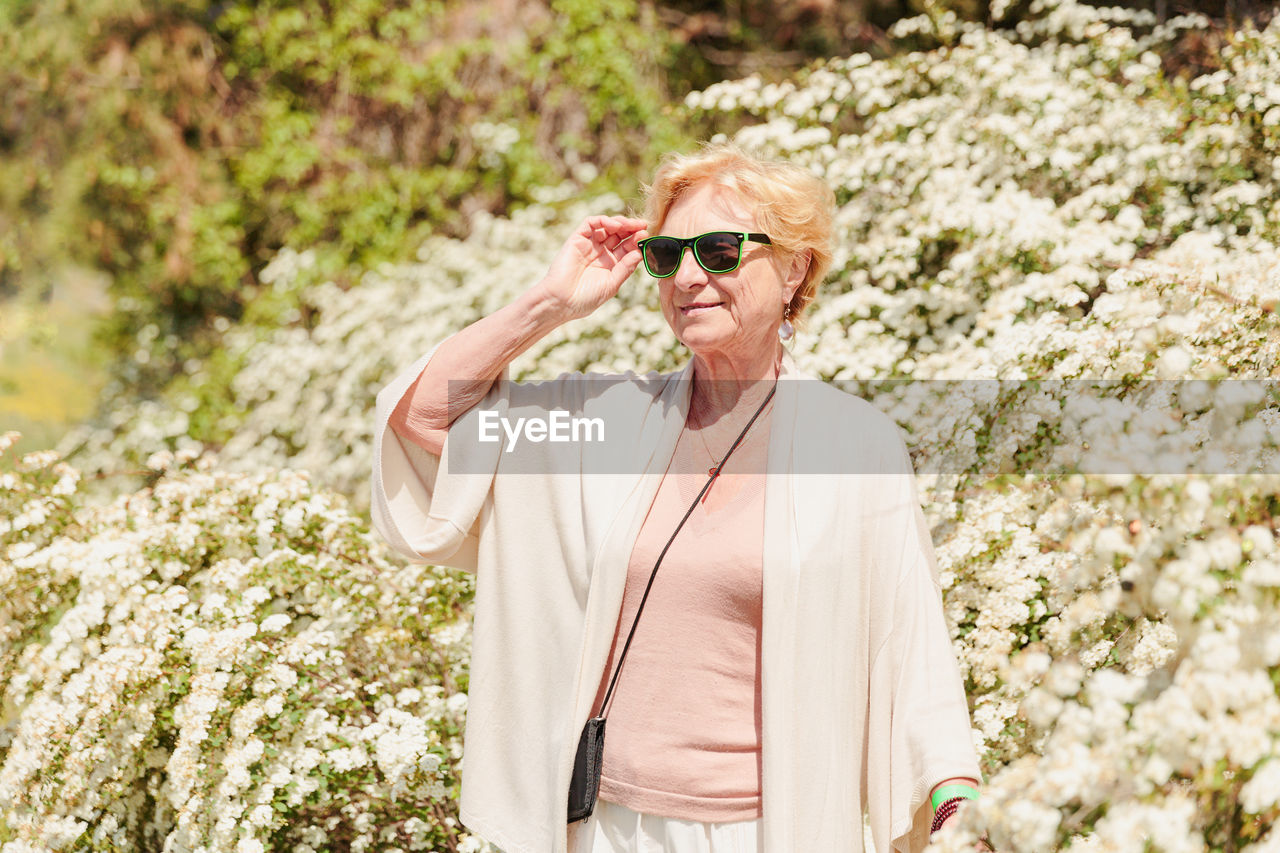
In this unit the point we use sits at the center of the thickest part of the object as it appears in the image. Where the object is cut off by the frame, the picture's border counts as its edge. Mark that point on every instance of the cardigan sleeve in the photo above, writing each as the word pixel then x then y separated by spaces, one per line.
pixel 426 511
pixel 919 718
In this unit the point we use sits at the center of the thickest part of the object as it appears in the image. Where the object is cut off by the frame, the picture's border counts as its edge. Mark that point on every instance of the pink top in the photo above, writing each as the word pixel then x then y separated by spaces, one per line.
pixel 684 723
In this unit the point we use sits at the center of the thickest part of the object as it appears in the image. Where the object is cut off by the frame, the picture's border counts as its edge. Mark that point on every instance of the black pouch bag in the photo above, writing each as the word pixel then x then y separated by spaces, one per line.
pixel 584 786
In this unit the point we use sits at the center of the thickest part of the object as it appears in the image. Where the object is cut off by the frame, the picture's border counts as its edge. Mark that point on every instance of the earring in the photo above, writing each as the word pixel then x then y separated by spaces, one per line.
pixel 786 331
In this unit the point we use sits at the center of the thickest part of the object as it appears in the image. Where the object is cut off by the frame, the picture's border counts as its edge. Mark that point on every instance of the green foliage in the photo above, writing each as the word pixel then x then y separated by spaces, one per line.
pixel 179 144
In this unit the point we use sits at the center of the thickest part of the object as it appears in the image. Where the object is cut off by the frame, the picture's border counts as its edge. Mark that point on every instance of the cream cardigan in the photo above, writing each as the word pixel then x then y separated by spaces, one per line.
pixel 863 704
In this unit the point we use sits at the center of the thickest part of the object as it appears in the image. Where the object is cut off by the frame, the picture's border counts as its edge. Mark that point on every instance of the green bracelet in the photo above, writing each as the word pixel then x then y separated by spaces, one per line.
pixel 946 792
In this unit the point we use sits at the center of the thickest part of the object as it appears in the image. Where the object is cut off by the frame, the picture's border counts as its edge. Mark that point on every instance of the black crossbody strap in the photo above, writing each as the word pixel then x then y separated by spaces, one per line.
pixel 715 472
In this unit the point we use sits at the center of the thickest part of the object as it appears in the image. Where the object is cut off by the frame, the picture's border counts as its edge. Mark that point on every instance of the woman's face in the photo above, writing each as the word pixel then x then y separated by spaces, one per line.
pixel 736 314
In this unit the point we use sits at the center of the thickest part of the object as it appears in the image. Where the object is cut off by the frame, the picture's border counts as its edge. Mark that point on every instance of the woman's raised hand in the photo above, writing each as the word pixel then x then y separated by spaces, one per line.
pixel 586 273
pixel 592 264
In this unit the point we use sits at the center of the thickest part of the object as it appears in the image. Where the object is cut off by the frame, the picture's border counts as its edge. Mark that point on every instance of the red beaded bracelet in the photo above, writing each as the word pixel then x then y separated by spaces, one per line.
pixel 945 810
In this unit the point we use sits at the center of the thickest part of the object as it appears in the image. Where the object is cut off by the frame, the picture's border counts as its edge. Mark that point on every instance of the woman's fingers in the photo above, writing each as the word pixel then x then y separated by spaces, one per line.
pixel 625 267
pixel 613 237
pixel 603 227
pixel 632 241
pixel 612 222
pixel 624 244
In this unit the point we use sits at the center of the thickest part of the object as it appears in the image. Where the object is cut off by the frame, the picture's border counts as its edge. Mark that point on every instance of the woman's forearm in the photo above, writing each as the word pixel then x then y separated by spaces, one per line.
pixel 587 272
pixel 465 366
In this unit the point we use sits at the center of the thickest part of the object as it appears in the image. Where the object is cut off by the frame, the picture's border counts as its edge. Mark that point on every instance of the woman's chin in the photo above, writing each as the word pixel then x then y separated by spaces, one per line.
pixel 700 337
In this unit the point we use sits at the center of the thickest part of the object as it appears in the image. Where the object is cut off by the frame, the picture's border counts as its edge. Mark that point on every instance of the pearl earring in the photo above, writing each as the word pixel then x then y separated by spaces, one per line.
pixel 786 331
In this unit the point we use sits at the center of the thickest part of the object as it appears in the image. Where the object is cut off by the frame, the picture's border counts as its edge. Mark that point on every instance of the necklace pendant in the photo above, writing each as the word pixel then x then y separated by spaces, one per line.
pixel 712 472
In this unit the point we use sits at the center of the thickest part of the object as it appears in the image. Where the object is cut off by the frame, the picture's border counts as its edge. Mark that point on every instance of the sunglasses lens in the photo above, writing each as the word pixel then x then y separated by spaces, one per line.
pixel 661 256
pixel 718 252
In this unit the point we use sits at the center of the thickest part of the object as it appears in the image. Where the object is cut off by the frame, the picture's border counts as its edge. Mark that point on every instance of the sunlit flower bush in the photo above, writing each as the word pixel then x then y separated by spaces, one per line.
pixel 1026 204
pixel 220 662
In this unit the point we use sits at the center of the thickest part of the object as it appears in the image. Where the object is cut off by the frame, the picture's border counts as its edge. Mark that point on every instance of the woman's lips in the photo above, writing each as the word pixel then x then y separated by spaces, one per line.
pixel 693 309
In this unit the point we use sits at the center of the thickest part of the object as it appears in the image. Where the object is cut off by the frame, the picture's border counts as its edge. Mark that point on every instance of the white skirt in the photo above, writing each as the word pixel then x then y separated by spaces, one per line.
pixel 613 828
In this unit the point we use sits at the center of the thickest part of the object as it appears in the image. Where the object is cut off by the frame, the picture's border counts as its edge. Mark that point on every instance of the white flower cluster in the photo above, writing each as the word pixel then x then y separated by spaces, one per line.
pixel 222 662
pixel 1037 216
pixel 494 140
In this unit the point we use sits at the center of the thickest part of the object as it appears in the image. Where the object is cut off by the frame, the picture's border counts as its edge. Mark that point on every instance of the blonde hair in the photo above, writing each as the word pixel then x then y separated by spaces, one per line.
pixel 792 206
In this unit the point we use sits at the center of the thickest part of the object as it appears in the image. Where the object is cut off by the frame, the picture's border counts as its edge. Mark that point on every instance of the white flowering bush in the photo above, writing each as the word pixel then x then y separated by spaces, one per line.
pixel 1037 207
pixel 1133 701
pixel 1004 177
pixel 220 662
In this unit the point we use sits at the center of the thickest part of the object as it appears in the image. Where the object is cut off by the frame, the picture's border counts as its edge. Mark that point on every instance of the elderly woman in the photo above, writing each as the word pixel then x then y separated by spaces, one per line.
pixel 751 541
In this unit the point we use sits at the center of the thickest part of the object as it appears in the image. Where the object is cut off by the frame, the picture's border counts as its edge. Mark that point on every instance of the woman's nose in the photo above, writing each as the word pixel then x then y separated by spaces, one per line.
pixel 688 273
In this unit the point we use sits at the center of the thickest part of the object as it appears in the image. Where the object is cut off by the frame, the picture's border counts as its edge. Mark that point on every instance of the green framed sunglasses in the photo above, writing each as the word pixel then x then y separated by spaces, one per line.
pixel 715 251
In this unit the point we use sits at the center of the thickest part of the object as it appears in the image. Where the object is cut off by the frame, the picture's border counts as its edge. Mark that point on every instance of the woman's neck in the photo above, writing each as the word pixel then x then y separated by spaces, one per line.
pixel 722 385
